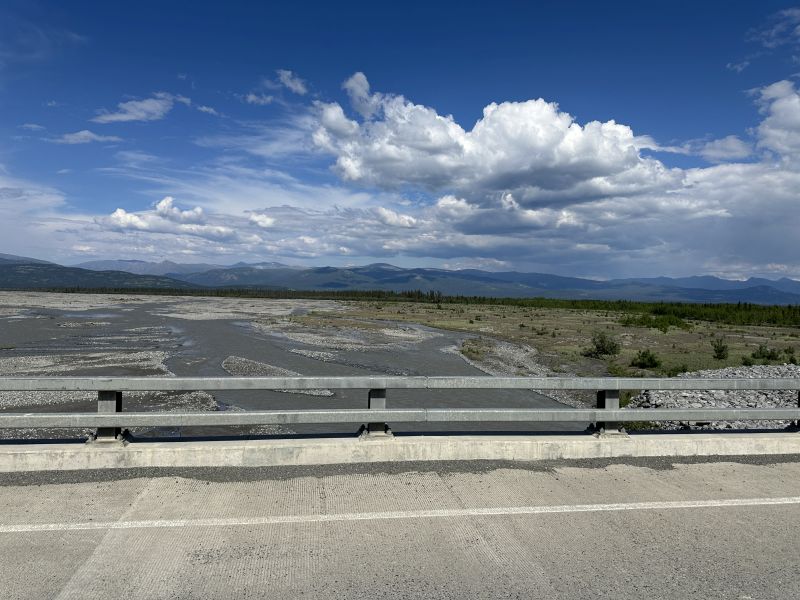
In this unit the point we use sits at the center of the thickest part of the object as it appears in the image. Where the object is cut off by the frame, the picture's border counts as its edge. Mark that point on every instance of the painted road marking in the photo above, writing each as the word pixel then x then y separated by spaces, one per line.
pixel 402 514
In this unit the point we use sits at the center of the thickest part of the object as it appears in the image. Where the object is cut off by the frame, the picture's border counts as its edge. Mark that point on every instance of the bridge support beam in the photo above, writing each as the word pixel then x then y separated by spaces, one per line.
pixel 376 399
pixel 109 402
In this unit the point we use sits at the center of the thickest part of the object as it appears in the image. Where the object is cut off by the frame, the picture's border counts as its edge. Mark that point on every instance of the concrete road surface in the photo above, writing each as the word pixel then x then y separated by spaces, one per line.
pixel 593 529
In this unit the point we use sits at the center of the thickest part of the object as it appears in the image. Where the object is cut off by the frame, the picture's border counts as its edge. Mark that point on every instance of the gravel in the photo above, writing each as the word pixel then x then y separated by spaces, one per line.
pixel 504 359
pixel 244 367
pixel 725 399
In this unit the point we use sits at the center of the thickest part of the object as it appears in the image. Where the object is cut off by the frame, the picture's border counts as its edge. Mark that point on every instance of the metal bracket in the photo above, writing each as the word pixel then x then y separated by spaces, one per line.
pixel 611 429
pixel 376 399
pixel 109 402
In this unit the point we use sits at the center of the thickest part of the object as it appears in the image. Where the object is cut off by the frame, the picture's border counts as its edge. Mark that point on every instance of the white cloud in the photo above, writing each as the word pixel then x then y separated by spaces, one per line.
pixel 149 109
pixel 166 208
pixel 32 127
pixel 530 148
pixel 208 110
pixel 358 90
pixel 779 132
pixel 725 149
pixel 394 219
pixel 168 219
pixel 262 220
pixel 782 28
pixel 334 123
pixel 84 137
pixel 258 99
pixel 292 82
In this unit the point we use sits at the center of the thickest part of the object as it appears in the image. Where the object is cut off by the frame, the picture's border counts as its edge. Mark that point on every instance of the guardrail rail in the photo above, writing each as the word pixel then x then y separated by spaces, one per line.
pixel 110 419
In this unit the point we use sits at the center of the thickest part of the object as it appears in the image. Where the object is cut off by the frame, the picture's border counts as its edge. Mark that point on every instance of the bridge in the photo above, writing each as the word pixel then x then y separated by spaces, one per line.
pixel 600 513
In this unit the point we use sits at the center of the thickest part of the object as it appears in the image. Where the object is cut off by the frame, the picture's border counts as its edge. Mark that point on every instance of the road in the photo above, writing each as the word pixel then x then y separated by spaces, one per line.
pixel 644 528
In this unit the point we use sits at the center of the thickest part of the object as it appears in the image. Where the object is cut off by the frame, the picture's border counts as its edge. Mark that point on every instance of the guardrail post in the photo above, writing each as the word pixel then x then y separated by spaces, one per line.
pixel 608 399
pixel 376 400
pixel 109 402
pixel 797 423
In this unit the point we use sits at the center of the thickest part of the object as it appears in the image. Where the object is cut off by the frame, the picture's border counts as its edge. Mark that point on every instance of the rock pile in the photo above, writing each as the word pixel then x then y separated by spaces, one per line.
pixel 725 399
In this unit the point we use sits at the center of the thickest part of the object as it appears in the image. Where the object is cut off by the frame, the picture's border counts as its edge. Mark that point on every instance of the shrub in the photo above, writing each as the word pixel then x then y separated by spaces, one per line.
pixel 602 345
pixel 676 370
pixel 766 353
pixel 646 359
pixel 616 370
pixel 747 361
pixel 720 348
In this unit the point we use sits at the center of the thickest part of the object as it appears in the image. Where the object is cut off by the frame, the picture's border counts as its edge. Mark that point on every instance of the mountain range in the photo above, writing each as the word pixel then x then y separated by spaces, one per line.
pixel 19 272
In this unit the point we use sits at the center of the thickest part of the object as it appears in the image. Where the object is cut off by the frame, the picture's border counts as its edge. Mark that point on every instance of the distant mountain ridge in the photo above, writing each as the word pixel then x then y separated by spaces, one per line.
pixel 165 267
pixel 12 259
pixel 22 272
pixel 16 276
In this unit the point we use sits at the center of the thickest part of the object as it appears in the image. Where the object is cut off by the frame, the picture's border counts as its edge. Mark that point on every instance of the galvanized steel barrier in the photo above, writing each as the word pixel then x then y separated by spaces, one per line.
pixel 110 417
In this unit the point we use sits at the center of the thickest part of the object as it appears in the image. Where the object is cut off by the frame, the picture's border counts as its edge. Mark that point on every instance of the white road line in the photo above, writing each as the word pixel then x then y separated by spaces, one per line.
pixel 401 514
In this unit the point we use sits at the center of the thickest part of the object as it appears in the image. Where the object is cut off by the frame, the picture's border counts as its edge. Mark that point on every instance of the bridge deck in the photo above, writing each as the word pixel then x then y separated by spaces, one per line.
pixel 645 528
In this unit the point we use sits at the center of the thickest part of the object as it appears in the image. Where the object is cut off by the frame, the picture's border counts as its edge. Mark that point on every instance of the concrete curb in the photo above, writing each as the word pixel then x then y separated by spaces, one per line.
pixel 259 453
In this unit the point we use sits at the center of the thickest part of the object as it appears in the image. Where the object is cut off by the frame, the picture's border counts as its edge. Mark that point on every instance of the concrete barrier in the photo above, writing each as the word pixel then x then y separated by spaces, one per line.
pixel 294 452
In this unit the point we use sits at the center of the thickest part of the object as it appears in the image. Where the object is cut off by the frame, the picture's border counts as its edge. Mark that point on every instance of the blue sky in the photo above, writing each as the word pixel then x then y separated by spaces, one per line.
pixel 592 139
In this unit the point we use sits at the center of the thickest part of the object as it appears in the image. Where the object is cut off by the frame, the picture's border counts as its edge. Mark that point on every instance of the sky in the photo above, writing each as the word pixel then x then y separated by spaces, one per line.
pixel 601 140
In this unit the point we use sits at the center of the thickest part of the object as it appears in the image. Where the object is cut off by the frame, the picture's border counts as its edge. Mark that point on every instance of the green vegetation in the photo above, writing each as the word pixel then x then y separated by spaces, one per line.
pixel 720 348
pixel 646 359
pixel 763 352
pixel 768 354
pixel 676 370
pixel 602 345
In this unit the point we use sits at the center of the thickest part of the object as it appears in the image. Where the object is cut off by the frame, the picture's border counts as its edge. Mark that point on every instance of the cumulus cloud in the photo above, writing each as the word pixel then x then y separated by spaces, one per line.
pixel 166 208
pixel 394 219
pixel 530 148
pixel 208 110
pixel 292 82
pixel 166 218
pixel 149 109
pixel 779 131
pixel 84 137
pixel 725 149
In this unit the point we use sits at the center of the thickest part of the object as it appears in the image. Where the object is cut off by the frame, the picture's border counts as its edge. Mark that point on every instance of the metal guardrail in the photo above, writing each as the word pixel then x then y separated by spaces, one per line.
pixel 132 384
pixel 110 418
